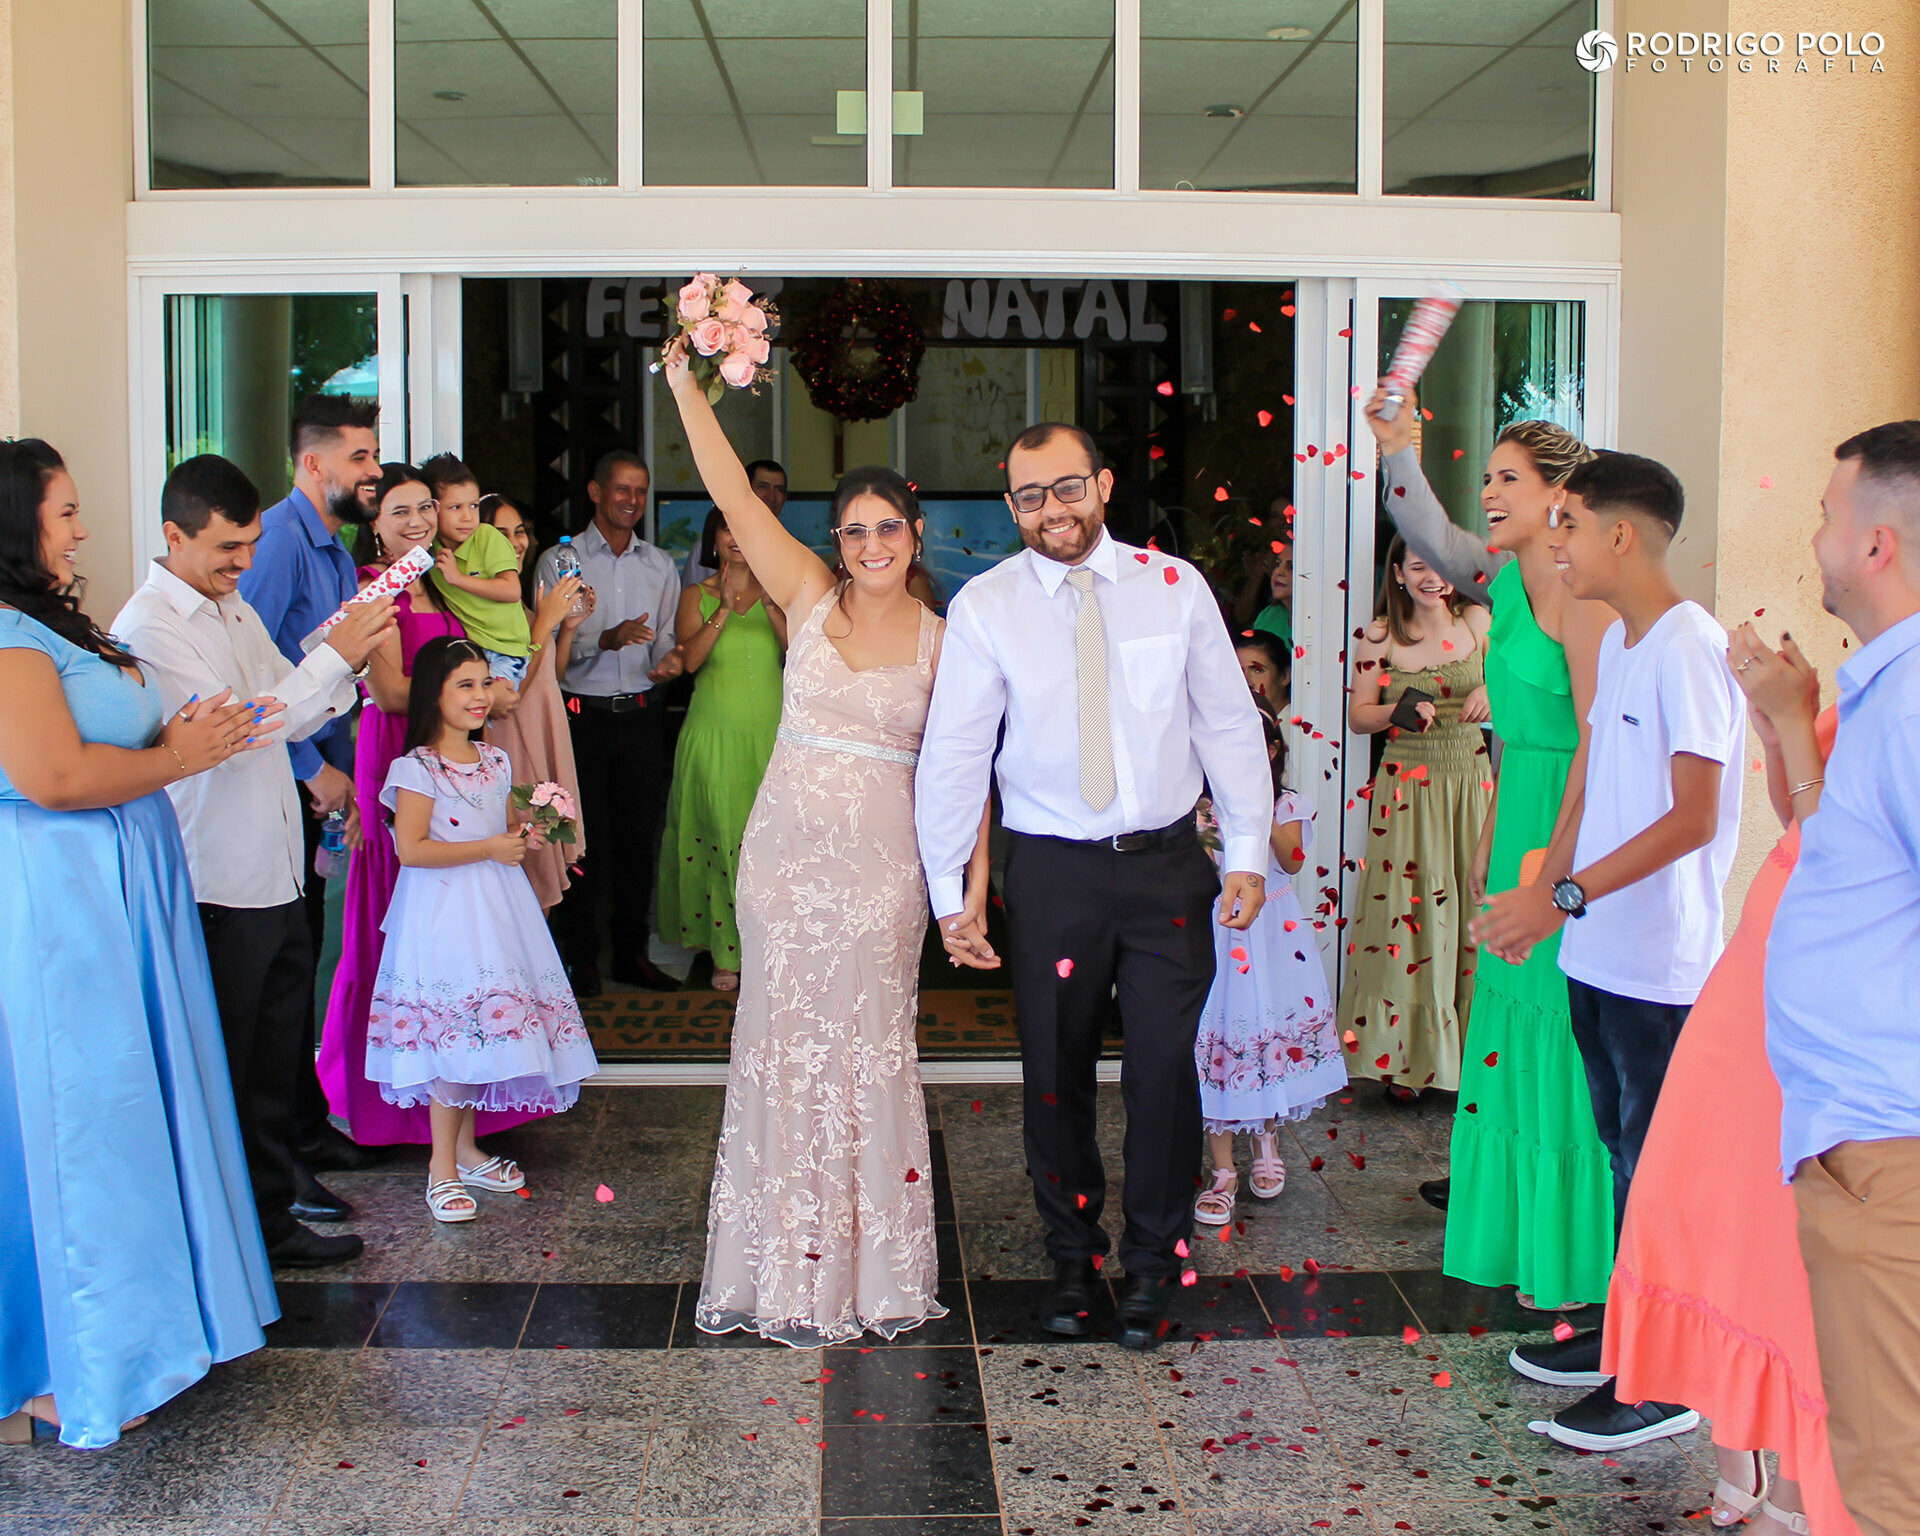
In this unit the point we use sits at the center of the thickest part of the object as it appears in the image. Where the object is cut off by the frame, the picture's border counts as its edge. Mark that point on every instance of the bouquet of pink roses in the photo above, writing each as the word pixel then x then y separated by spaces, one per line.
pixel 549 807
pixel 725 328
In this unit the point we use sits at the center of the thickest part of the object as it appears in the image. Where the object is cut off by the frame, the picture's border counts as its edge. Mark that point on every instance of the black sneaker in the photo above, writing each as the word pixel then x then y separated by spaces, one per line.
pixel 1574 1363
pixel 1601 1422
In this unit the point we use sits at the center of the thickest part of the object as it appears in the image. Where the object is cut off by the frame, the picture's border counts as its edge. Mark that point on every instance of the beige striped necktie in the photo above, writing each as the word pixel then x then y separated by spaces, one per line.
pixel 1096 731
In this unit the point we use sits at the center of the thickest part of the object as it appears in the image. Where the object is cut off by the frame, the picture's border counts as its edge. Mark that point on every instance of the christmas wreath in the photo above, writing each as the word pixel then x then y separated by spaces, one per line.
pixel 859 351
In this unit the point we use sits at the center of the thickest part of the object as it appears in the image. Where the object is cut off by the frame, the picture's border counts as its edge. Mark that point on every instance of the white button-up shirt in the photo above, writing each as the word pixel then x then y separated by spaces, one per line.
pixel 240 821
pixel 643 580
pixel 1178 711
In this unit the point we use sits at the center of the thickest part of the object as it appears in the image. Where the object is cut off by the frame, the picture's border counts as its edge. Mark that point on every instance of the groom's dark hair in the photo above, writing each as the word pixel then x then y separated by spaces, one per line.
pixel 1042 433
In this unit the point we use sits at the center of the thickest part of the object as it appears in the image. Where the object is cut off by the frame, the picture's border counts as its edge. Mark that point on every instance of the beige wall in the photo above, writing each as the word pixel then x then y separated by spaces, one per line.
pixel 9 276
pixel 72 178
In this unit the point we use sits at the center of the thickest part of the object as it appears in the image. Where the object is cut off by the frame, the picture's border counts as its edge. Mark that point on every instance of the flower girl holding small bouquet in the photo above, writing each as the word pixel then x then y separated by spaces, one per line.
pixel 471 1008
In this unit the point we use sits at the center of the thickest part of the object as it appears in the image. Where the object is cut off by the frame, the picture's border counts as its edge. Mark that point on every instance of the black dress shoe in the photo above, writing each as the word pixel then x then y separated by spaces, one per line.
pixel 330 1152
pixel 1143 1309
pixel 586 979
pixel 642 972
pixel 305 1248
pixel 1068 1308
pixel 316 1202
pixel 1574 1362
pixel 1601 1422
pixel 1435 1192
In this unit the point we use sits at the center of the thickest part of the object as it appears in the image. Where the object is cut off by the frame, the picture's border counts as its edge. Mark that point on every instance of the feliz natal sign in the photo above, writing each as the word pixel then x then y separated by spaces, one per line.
pixel 974 309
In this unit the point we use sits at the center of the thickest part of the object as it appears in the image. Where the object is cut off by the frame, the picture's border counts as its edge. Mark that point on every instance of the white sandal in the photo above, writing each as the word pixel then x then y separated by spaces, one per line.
pixel 502 1175
pixel 1213 1206
pixel 442 1196
pixel 1267 1165
pixel 1793 1520
pixel 1732 1496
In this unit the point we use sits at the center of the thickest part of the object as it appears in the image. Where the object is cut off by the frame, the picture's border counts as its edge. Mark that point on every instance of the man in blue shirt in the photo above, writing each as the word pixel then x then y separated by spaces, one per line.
pixel 1843 989
pixel 300 574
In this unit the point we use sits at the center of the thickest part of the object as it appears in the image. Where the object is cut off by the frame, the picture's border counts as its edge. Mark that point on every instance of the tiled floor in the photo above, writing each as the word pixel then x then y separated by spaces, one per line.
pixel 536 1372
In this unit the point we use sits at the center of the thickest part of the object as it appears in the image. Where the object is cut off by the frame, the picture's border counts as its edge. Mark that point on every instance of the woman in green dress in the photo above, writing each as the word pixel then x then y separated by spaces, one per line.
pixel 732 635
pixel 1531 1200
pixel 1403 1011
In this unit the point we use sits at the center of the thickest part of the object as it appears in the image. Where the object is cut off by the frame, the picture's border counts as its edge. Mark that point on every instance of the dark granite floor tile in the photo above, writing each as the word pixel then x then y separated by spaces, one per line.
pixel 907 1469
pixel 1008 1312
pixel 902 1385
pixel 912 1525
pixel 946 1242
pixel 942 1178
pixel 602 1317
pixel 1335 1304
pixel 1443 1304
pixel 949 1330
pixel 436 1315
pixel 326 1314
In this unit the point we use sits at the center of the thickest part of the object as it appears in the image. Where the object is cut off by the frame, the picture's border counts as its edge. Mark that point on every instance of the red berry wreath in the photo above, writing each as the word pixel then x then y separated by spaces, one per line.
pixel 859 351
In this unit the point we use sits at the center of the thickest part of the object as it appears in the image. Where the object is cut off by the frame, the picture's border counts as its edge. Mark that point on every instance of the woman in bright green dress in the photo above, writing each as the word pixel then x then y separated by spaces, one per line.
pixel 1531 1198
pixel 732 636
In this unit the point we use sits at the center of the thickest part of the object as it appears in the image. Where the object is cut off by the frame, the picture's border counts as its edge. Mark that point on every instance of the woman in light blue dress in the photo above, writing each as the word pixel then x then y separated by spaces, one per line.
pixel 130 1254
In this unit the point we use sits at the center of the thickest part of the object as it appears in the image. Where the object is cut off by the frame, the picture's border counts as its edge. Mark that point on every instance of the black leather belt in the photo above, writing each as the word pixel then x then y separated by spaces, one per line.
pixel 609 704
pixel 1176 834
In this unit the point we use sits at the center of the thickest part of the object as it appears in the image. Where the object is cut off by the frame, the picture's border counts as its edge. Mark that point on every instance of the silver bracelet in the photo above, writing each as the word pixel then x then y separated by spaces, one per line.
pixel 1801 788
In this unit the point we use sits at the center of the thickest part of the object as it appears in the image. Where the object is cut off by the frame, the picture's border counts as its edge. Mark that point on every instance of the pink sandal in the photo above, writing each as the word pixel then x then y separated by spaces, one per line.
pixel 1213 1206
pixel 1267 1167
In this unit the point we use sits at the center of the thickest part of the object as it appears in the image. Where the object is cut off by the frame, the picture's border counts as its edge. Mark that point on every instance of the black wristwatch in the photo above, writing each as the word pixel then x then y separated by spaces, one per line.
pixel 1569 898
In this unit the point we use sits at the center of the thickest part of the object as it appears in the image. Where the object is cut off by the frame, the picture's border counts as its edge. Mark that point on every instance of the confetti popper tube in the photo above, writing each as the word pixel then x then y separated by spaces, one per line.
pixel 1426 327
pixel 391 582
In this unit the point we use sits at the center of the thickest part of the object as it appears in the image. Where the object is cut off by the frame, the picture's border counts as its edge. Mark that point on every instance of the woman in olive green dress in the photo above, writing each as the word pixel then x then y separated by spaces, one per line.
pixel 1410 963
pixel 732 636
pixel 1530 1202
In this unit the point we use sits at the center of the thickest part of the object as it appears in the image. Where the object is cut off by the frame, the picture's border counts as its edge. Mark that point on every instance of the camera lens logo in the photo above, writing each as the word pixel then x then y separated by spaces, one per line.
pixel 1596 52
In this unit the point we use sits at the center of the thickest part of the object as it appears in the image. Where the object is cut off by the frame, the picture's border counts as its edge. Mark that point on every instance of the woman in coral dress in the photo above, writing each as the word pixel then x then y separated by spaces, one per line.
pixel 1709 1303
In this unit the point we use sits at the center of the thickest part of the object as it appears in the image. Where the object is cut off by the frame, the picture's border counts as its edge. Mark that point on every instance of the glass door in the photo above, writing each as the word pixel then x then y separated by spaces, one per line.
pixel 222 363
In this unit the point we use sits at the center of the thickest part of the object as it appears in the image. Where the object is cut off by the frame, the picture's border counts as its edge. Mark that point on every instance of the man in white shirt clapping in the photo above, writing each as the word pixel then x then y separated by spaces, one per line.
pixel 194 636
pixel 1117 682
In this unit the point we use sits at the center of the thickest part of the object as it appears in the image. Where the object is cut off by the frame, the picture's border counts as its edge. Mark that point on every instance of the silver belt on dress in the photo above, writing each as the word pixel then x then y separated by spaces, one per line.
pixel 855 748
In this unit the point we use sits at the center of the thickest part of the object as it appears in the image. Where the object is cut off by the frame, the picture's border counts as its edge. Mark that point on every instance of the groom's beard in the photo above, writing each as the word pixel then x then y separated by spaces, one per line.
pixel 1070 545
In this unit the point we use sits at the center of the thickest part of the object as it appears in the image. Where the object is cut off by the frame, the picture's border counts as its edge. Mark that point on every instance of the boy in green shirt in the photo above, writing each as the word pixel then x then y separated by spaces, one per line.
pixel 477 572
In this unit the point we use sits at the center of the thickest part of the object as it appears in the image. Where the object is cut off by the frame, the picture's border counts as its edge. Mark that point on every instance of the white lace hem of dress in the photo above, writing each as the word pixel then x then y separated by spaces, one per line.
pixel 518 1095
pixel 1248 1127
pixel 797 1334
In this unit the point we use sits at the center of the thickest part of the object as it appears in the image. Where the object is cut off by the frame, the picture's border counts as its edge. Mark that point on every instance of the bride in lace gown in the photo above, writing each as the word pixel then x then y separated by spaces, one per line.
pixel 821 1220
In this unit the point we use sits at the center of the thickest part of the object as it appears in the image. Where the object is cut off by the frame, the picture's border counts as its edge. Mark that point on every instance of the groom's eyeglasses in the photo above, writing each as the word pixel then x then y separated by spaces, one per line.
pixel 1031 498
pixel 888 532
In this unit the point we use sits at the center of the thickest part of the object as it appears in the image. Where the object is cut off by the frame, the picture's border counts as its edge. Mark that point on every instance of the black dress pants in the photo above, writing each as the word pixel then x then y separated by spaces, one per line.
pixel 623 766
pixel 262 960
pixel 1142 923
pixel 309 1098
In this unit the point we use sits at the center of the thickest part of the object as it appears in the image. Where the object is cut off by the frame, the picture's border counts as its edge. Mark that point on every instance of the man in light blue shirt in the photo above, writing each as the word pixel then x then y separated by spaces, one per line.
pixel 300 574
pixel 1843 990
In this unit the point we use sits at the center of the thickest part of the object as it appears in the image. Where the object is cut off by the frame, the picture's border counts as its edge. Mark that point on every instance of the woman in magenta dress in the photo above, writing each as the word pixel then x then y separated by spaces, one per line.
pixel 406 518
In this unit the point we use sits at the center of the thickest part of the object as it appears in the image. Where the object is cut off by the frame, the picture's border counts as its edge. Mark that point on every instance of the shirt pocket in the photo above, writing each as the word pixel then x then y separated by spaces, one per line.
pixel 1152 668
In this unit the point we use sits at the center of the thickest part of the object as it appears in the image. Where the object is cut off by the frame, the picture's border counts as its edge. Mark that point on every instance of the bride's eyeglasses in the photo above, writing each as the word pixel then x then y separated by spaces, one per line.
pixel 1031 498
pixel 889 532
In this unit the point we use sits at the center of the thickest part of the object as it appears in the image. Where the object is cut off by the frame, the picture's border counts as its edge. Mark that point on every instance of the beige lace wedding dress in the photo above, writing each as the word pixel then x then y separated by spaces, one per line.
pixel 821 1223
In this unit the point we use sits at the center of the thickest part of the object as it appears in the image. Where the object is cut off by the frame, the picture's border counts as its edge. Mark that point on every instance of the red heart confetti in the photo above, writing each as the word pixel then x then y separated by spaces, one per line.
pixel 603 1194
pixel 1164 387
pixel 1410 1334
pixel 1443 1379
pixel 1064 968
pixel 1493 1058
pixel 1188 1277
pixel 913 1175
pixel 1562 1331
pixel 1171 574
pixel 1766 482
pixel 1265 418
pixel 1459 453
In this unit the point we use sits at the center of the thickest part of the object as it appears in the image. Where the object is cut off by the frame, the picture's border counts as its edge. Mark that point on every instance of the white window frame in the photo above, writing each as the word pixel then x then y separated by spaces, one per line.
pixel 629 46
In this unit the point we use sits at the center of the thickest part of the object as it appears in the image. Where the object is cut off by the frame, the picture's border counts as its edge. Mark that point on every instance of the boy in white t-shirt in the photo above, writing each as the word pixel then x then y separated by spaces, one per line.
pixel 1636 875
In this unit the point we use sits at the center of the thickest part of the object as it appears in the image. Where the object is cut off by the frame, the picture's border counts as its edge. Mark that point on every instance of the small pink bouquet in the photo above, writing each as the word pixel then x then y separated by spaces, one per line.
pixel 725 328
pixel 550 808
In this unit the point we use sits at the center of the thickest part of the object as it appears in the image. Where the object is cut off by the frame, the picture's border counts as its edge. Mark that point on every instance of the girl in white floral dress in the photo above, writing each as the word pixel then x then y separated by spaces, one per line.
pixel 1267 1050
pixel 471 1008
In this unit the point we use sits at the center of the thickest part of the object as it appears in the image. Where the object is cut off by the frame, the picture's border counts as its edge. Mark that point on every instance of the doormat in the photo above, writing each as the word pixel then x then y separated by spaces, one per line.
pixel 698 1026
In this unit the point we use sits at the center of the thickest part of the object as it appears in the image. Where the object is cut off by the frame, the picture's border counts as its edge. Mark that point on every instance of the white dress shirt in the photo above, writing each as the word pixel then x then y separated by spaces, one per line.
pixel 642 580
pixel 241 820
pixel 1178 708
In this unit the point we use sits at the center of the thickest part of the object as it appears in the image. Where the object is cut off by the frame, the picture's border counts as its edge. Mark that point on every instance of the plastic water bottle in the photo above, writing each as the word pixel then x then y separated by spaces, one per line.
pixel 330 858
pixel 566 562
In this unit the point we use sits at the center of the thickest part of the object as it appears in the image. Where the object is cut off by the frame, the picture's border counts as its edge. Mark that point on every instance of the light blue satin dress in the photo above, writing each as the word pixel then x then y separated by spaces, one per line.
pixel 130 1254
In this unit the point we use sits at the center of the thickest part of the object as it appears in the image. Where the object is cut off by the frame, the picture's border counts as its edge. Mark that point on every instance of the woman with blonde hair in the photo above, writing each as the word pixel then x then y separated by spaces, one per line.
pixel 1535 1206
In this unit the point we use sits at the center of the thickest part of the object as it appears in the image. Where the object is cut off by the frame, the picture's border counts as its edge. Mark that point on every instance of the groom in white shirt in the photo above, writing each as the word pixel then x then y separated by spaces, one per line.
pixel 242 821
pixel 1116 679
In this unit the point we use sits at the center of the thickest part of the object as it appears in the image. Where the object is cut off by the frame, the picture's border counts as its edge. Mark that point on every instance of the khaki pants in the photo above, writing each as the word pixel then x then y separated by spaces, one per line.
pixel 1860 1236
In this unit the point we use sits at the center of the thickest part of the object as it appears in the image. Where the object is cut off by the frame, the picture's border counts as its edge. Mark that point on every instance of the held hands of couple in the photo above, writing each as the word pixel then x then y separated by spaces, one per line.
pixel 206 732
